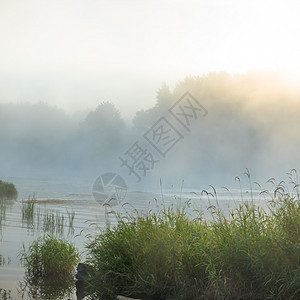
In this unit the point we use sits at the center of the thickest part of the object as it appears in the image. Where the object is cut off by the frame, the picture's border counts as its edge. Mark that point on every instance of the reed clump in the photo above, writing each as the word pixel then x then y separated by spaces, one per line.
pixel 253 253
pixel 49 268
pixel 28 208
pixel 49 256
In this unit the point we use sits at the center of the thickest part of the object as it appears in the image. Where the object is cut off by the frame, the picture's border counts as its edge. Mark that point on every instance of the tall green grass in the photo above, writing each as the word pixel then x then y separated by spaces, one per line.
pixel 48 220
pixel 71 217
pixel 28 209
pixel 49 264
pixel 250 254
pixel 50 257
pixel 53 222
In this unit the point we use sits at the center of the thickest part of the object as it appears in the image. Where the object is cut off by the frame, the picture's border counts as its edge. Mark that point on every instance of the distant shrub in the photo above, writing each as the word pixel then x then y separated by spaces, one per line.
pixel 8 191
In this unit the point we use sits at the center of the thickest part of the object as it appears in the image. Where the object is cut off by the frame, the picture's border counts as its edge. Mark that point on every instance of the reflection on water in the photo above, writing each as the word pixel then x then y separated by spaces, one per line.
pixel 4 260
pixel 47 288
pixel 4 205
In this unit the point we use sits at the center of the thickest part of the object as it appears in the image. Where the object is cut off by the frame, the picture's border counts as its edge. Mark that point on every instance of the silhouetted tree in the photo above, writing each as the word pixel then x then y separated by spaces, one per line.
pixel 103 131
pixel 164 98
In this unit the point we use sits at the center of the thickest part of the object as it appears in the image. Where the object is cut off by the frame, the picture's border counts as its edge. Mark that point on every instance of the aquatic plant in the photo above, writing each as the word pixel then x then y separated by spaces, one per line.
pixel 53 222
pixel 49 256
pixel 2 213
pixel 8 191
pixel 71 217
pixel 27 208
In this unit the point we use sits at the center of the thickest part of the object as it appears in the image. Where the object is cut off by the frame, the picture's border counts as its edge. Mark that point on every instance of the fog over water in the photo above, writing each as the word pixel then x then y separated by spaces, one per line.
pixel 251 122
pixel 81 82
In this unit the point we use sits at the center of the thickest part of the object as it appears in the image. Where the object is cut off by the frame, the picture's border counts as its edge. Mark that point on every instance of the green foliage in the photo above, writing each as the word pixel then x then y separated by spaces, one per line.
pixel 250 254
pixel 49 257
pixel 49 263
pixel 28 209
pixel 50 221
pixel 53 222
pixel 8 191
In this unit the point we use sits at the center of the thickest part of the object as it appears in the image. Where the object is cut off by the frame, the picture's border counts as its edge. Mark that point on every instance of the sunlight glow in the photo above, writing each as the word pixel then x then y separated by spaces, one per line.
pixel 69 50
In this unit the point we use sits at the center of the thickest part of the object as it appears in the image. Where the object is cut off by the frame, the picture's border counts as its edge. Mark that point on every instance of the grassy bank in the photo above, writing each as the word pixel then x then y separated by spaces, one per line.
pixel 252 254
pixel 8 191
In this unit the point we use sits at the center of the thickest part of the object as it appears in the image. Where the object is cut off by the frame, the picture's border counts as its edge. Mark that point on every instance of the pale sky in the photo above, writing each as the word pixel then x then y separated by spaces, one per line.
pixel 76 54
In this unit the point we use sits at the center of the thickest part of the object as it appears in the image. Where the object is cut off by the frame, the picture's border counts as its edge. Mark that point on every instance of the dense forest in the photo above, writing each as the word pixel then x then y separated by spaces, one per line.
pixel 252 122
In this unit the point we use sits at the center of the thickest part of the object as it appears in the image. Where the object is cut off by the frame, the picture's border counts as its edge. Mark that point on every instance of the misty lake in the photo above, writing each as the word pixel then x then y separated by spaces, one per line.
pixel 76 215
